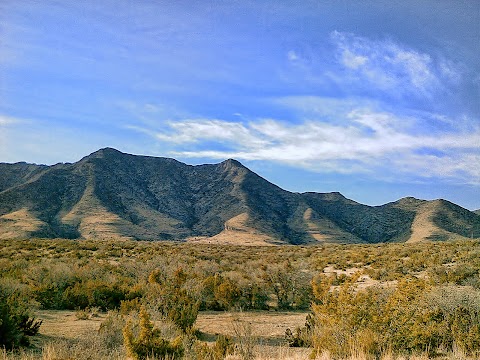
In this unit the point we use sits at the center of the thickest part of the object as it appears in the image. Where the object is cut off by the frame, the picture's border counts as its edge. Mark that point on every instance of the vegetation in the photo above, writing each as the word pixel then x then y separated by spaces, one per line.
pixel 401 299
pixel 150 343
pixel 16 322
pixel 409 318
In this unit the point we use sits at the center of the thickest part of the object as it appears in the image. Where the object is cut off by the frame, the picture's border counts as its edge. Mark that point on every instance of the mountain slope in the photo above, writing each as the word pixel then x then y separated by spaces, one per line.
pixel 112 195
pixel 18 173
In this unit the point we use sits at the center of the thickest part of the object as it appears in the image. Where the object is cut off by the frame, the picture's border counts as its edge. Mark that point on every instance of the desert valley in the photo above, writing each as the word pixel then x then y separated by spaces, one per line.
pixel 239 180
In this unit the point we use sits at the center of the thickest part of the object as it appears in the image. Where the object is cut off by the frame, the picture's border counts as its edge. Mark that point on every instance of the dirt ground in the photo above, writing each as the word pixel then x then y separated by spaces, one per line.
pixel 266 326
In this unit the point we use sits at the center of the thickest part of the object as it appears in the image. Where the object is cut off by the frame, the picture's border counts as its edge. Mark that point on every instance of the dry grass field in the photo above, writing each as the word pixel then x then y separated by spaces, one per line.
pixel 365 302
pixel 62 331
pixel 61 328
pixel 267 327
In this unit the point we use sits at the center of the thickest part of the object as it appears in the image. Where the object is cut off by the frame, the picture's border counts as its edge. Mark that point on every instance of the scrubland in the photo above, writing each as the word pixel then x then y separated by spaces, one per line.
pixel 64 299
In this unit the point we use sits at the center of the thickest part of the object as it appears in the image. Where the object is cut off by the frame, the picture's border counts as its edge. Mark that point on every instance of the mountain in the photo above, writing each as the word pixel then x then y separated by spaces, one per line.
pixel 113 195
pixel 477 211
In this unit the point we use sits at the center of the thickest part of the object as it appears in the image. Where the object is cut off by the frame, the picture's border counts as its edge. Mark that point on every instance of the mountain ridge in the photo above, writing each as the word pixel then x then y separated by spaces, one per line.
pixel 113 195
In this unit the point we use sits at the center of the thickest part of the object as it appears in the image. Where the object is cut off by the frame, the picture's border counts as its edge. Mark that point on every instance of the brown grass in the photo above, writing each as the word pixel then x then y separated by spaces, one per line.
pixel 237 232
pixel 18 224
pixel 64 337
pixel 63 324
pixel 267 327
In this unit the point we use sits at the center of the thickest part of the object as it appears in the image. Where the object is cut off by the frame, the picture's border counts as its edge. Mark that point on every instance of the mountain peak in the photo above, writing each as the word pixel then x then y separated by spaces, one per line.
pixel 102 153
pixel 329 196
pixel 232 164
pixel 409 200
pixel 106 151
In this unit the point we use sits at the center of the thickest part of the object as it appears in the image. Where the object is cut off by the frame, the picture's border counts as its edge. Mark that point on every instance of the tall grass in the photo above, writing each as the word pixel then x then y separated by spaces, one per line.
pixel 64 350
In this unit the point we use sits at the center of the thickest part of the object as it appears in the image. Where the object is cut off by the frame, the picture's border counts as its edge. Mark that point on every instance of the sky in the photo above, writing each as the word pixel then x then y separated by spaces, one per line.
pixel 376 99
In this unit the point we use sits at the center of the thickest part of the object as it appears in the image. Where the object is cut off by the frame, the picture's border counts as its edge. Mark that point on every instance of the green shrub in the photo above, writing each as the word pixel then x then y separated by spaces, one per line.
pixel 50 296
pixel 458 309
pixel 222 293
pixel 92 293
pixel 16 324
pixel 254 297
pixel 291 288
pixel 149 343
pixel 182 310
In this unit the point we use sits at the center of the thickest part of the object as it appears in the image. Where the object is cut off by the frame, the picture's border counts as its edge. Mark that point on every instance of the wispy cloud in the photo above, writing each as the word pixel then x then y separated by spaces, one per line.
pixel 390 66
pixel 8 120
pixel 198 130
pixel 364 141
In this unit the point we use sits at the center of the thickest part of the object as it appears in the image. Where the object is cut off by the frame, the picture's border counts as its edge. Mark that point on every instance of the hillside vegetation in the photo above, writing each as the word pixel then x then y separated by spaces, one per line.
pixel 373 300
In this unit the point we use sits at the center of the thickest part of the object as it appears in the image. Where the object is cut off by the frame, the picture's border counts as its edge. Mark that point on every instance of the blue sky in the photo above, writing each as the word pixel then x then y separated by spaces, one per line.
pixel 370 98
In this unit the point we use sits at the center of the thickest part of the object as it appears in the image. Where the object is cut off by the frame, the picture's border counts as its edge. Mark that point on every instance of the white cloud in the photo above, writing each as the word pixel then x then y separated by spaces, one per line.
pixel 365 141
pixel 207 129
pixel 462 166
pixel 388 66
pixel 450 71
pixel 352 60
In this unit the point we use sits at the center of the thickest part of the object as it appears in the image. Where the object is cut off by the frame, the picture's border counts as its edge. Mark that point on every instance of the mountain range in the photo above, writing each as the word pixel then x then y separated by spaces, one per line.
pixel 112 195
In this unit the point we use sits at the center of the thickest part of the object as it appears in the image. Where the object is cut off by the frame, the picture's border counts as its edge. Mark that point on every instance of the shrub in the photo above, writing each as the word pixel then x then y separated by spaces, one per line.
pixel 110 331
pixel 149 343
pixel 223 293
pixel 182 310
pixel 50 296
pixel 174 301
pixel 223 346
pixel 254 297
pixel 93 293
pixel 82 314
pixel 244 338
pixel 226 293
pixel 302 337
pixel 413 317
pixel 459 309
pixel 16 324
pixel 291 288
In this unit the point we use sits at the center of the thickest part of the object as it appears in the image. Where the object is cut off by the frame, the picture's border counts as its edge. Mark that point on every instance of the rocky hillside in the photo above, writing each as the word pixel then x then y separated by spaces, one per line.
pixel 109 194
